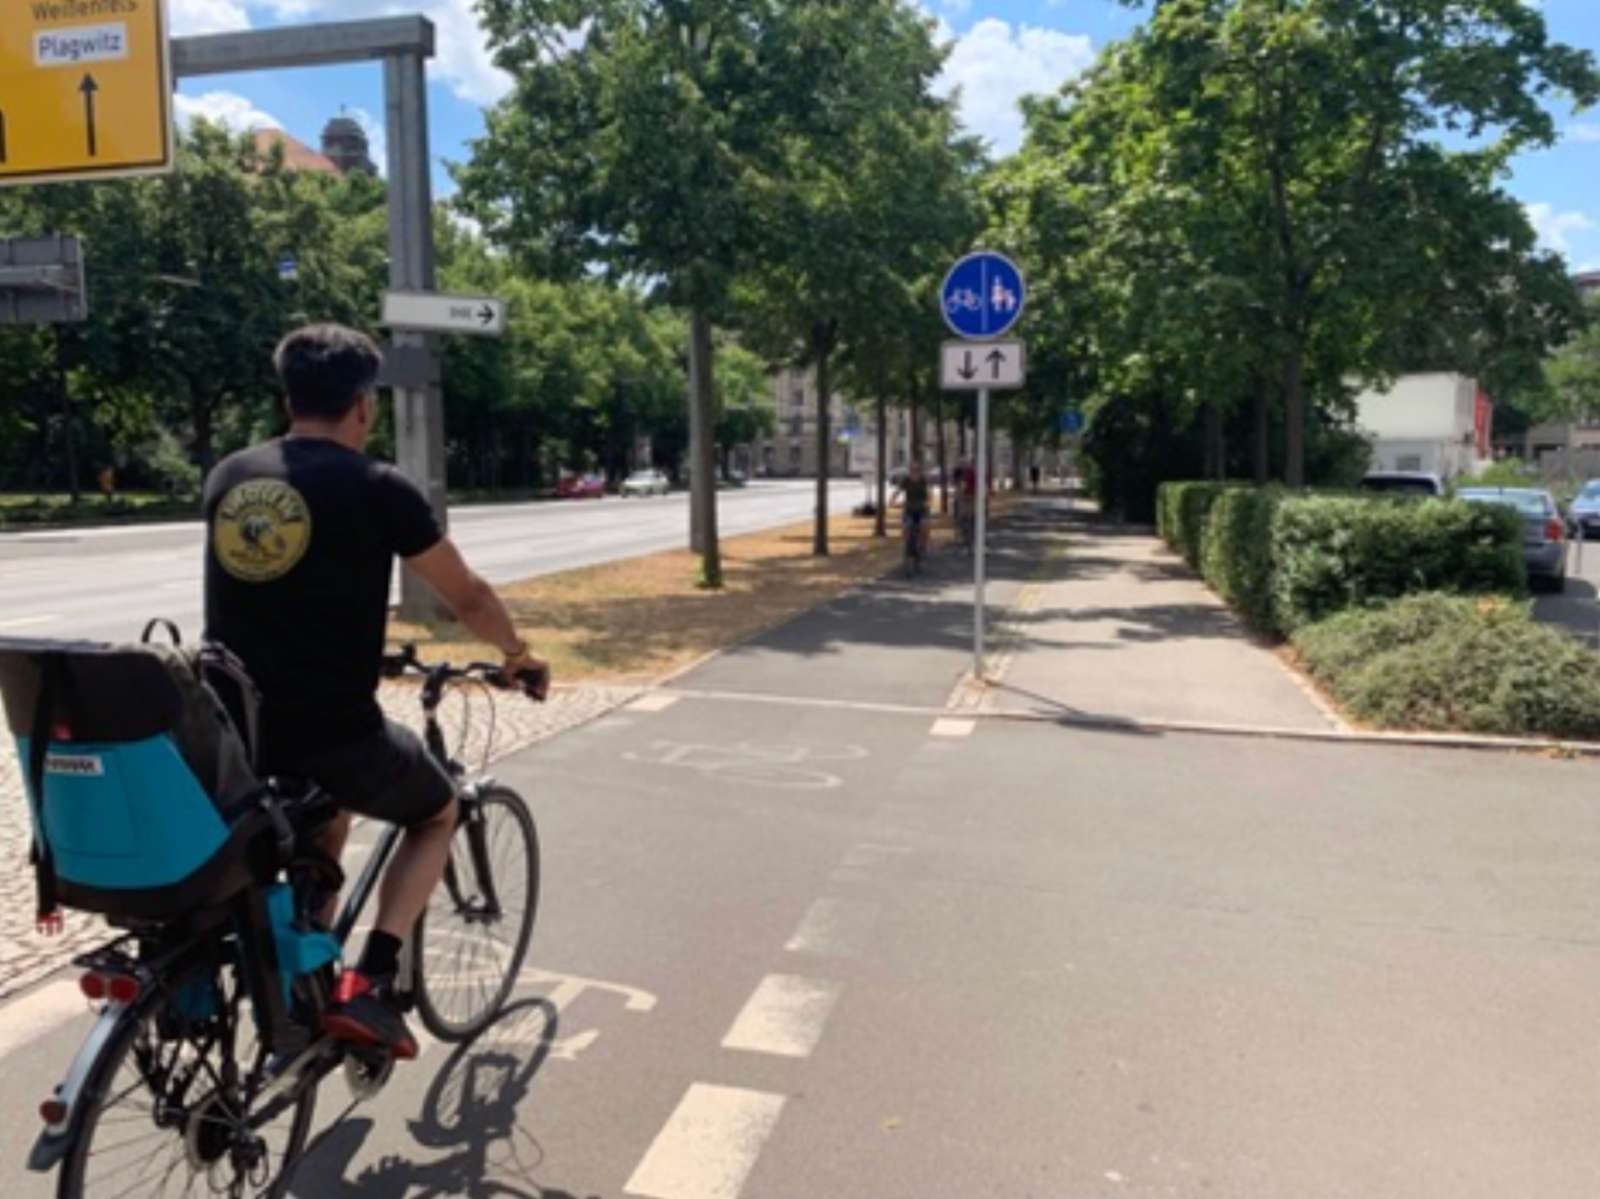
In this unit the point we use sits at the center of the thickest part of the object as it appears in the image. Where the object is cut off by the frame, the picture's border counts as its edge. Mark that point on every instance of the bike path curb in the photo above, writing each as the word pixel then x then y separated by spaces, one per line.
pixel 1155 726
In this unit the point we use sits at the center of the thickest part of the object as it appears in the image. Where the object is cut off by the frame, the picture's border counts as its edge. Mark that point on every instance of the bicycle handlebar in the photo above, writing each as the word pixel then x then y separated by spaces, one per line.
pixel 535 684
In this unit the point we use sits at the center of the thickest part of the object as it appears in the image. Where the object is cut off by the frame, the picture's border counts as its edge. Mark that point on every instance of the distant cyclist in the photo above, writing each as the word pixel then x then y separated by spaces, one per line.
pixel 302 535
pixel 914 488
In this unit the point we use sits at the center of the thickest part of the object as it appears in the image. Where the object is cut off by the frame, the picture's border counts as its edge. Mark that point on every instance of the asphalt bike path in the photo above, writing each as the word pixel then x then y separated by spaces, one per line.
pixel 795 944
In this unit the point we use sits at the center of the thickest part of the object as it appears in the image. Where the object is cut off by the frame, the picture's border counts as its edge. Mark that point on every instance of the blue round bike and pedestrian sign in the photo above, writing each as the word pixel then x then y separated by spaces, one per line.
pixel 983 296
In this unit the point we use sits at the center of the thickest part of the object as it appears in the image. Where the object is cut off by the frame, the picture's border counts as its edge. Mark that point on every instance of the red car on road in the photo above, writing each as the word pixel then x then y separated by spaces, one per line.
pixel 581 487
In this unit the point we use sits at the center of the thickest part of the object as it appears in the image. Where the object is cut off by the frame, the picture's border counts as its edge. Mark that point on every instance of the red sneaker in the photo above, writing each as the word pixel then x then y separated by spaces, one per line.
pixel 363 1013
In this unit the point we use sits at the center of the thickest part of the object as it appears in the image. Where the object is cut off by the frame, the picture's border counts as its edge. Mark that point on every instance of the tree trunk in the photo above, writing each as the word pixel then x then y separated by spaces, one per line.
pixel 69 424
pixel 880 527
pixel 914 392
pixel 939 442
pixel 200 409
pixel 822 344
pixel 1294 417
pixel 1216 463
pixel 702 452
pixel 1260 440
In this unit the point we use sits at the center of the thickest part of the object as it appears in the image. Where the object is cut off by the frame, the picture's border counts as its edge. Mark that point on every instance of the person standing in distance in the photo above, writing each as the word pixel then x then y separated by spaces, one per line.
pixel 302 533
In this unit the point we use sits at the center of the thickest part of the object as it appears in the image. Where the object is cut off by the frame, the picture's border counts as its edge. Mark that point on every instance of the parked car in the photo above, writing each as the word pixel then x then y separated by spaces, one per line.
pixel 645 482
pixel 581 487
pixel 1402 483
pixel 1544 537
pixel 1583 517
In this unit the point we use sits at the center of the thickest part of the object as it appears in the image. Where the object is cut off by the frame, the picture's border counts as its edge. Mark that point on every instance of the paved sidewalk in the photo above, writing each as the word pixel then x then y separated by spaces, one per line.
pixel 1115 626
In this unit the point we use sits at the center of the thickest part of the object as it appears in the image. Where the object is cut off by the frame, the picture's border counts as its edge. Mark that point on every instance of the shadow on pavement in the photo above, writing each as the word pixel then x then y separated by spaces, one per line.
pixel 472 1111
pixel 1148 622
pixel 1077 717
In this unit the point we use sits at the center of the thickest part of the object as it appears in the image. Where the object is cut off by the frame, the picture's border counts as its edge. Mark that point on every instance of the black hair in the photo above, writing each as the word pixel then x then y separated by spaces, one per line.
pixel 325 369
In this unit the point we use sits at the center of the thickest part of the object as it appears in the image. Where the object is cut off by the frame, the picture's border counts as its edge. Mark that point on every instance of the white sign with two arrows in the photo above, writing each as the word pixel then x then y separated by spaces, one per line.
pixel 980 365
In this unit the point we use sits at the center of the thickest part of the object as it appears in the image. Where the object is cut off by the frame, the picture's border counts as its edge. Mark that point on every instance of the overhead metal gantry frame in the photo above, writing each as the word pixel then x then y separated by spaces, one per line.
pixel 403 45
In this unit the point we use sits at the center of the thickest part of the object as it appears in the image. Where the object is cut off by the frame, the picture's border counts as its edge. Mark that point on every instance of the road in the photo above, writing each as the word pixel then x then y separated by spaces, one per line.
pixel 793 943
pixel 1577 607
pixel 103 584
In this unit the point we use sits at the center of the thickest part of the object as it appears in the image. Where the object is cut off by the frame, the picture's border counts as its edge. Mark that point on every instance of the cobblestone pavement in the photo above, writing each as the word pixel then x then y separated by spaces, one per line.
pixel 26 957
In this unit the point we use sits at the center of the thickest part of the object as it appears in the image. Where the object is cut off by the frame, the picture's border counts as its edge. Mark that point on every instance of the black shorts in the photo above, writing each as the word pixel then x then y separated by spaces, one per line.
pixel 387 775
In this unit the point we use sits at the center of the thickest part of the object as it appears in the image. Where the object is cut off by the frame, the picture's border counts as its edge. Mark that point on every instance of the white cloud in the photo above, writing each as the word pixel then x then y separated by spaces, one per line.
pixel 462 57
pixel 207 16
pixel 1555 229
pixel 224 108
pixel 1581 132
pixel 995 64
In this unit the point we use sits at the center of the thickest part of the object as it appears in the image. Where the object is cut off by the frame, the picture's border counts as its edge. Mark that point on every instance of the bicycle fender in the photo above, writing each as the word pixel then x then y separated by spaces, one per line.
pixel 57 1139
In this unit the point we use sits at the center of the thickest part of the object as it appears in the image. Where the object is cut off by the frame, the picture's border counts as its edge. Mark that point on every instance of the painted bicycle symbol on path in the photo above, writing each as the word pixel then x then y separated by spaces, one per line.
pixel 786 766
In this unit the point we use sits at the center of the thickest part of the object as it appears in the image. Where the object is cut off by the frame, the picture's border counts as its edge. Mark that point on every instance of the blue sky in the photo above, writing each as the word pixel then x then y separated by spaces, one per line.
pixel 1001 50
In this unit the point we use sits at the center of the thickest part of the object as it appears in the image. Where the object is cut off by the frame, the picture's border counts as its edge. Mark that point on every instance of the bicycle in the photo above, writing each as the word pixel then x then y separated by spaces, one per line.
pixel 177 1086
pixel 915 538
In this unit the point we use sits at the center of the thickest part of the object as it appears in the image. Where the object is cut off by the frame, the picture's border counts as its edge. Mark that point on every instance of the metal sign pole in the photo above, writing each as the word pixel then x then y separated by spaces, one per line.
pixel 980 534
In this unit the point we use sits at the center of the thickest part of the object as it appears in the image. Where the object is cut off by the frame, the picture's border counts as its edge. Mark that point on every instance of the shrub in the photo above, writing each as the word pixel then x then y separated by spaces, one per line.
pixel 1181 513
pixel 1236 554
pixel 1331 553
pixel 1508 472
pixel 1440 662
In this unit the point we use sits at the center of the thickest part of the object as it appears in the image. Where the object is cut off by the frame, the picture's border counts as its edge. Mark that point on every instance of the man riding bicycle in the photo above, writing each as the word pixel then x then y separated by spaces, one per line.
pixel 302 534
pixel 914 487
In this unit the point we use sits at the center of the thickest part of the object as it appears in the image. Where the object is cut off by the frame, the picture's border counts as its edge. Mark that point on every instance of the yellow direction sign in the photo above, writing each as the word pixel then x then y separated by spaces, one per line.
pixel 85 89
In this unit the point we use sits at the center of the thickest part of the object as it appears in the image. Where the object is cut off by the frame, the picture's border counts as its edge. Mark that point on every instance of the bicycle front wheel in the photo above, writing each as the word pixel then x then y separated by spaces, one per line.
pixel 472 938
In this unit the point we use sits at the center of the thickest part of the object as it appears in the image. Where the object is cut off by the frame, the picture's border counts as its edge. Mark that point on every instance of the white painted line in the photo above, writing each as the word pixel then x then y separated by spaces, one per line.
pixel 946 727
pixel 784 1017
pixel 40 1014
pixel 23 622
pixel 708 1146
pixel 656 701
pixel 867 854
pixel 839 928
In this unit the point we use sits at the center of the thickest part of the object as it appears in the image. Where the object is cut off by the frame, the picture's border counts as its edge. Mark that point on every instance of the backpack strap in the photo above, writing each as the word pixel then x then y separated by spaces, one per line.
pixel 44 864
pixel 213 657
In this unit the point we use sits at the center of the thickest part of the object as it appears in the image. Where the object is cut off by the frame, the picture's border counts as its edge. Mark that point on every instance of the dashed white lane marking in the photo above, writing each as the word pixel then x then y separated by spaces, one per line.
pixel 840 928
pixel 708 1146
pixel 23 622
pixel 784 1017
pixel 946 727
pixel 40 1014
pixel 658 701
pixel 868 854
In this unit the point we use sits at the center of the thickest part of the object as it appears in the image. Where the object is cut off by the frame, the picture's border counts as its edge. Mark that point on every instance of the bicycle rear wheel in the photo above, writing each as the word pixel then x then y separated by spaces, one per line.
pixel 176 1116
pixel 472 938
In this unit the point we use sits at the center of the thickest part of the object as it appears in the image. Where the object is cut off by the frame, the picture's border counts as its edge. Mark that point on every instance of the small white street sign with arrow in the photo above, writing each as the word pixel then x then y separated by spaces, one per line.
pixel 982 365
pixel 431 313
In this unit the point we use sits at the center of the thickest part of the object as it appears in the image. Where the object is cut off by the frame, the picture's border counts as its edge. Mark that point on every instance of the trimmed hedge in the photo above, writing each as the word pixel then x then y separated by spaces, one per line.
pixel 1283 560
pixel 1441 662
pixel 1331 553
pixel 1236 556
pixel 1182 510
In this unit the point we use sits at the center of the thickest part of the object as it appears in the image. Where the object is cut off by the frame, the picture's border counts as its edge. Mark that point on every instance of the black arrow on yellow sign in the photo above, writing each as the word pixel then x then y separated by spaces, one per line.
pixel 89 87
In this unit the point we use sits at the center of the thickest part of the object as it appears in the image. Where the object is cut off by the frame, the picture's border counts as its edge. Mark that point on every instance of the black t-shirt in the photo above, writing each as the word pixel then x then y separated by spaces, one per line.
pixel 916 491
pixel 301 538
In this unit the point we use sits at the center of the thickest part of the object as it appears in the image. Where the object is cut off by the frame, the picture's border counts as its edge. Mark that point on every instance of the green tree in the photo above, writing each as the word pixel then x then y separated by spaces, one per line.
pixel 644 144
pixel 856 220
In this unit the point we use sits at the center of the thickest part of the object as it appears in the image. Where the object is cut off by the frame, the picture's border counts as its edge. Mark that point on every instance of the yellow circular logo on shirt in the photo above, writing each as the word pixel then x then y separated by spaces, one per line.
pixel 261 530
